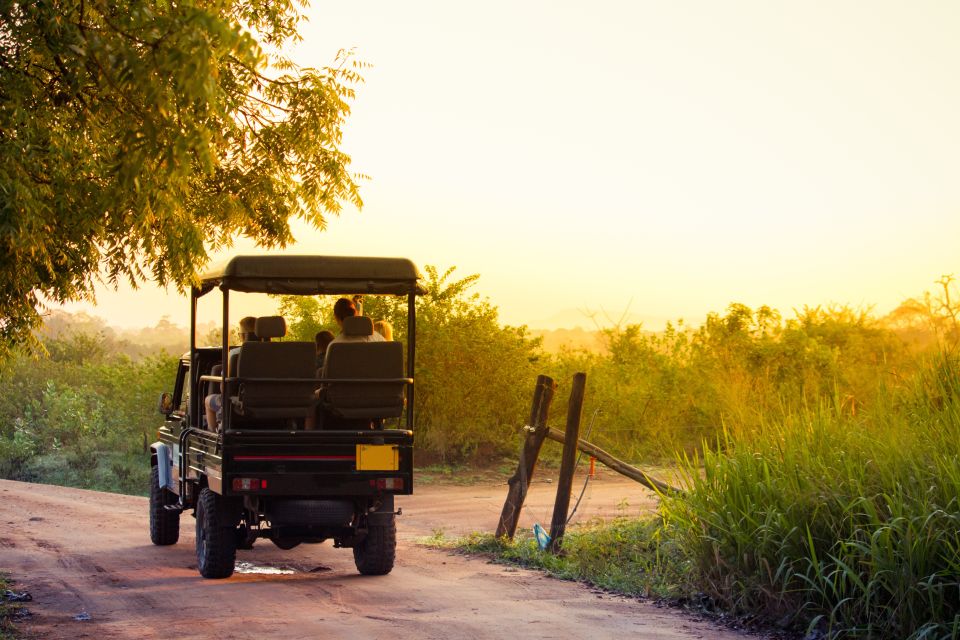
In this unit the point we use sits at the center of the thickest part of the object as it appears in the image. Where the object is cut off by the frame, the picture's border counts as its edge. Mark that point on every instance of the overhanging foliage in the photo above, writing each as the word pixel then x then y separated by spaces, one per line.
pixel 137 135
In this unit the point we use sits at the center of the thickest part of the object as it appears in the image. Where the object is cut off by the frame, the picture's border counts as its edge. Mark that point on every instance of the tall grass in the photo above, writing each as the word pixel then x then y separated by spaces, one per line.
pixel 846 523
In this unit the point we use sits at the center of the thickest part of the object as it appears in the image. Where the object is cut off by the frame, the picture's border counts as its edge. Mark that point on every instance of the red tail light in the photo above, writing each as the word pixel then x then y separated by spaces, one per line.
pixel 390 484
pixel 249 484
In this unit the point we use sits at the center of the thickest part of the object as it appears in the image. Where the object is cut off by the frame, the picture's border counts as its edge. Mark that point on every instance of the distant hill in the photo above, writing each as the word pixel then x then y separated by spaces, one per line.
pixel 581 328
pixel 595 319
pixel 136 343
pixel 555 340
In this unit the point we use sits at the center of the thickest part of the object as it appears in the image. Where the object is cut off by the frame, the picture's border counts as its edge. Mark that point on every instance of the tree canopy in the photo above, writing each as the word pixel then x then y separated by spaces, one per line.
pixel 138 135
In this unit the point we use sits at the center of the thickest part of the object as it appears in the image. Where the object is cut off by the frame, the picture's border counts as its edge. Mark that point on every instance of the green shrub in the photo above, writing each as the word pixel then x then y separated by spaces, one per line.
pixel 79 415
pixel 850 523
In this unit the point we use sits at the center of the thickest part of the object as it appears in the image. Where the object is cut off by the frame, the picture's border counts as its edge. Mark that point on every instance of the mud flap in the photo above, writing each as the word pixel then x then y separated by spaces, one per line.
pixel 384 512
pixel 230 511
pixel 164 464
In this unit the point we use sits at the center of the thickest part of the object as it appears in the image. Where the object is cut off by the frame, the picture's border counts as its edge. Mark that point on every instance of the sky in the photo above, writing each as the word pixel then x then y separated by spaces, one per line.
pixel 661 159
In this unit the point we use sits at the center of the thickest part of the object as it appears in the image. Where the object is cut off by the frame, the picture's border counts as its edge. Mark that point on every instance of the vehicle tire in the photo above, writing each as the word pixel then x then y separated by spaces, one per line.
pixel 374 555
pixel 216 544
pixel 164 524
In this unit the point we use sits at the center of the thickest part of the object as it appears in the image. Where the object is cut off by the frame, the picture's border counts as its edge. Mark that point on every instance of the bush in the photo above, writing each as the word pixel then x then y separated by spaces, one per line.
pixel 847 523
pixel 79 414
pixel 669 392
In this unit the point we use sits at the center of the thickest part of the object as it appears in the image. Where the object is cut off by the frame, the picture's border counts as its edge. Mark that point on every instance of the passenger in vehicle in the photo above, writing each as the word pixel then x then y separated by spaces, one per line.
pixel 322 340
pixel 345 308
pixel 384 328
pixel 342 309
pixel 213 403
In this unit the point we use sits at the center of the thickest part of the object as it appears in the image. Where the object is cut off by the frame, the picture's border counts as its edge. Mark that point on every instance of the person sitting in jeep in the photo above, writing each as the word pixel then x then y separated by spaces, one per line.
pixel 345 308
pixel 213 403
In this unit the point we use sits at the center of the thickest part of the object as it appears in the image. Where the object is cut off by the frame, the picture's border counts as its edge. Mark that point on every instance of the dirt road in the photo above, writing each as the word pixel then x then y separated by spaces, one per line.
pixel 86 558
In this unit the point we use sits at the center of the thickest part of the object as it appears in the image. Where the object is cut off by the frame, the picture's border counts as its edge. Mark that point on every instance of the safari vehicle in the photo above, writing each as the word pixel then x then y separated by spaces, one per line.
pixel 263 473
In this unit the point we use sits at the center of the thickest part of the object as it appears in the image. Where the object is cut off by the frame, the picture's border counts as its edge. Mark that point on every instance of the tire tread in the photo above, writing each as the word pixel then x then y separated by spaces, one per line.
pixel 164 524
pixel 376 553
pixel 216 558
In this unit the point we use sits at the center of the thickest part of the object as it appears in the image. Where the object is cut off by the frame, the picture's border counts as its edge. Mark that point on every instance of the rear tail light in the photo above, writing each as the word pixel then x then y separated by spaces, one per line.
pixel 249 484
pixel 390 484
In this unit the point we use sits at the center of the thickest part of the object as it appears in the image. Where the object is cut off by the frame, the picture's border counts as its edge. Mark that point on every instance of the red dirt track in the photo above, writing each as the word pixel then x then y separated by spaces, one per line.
pixel 82 552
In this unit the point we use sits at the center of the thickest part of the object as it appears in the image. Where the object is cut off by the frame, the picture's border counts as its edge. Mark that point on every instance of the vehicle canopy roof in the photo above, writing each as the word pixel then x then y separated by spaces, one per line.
pixel 313 275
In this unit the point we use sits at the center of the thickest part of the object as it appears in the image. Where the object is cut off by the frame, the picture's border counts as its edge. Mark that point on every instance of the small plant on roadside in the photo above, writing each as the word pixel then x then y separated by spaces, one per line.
pixel 9 611
pixel 625 555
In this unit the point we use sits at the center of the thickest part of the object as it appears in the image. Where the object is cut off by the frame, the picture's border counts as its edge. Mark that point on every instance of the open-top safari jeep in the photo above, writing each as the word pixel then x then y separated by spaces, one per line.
pixel 263 473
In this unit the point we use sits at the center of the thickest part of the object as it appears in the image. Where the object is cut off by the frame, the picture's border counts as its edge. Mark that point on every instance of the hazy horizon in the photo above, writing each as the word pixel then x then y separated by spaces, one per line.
pixel 666 159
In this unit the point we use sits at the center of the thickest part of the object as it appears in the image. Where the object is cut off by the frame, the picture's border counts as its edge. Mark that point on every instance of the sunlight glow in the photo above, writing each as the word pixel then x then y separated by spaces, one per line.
pixel 659 158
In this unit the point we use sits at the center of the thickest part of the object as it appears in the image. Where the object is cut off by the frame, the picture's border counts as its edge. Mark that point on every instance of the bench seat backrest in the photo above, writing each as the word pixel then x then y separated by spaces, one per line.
pixel 276 363
pixel 364 360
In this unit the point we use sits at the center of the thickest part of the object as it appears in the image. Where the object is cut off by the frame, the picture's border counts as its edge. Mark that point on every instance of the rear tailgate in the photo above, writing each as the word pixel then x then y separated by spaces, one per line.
pixel 318 463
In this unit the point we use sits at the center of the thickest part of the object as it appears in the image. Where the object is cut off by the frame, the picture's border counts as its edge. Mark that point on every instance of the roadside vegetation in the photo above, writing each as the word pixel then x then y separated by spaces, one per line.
pixel 823 519
pixel 625 555
pixel 820 452
pixel 829 524
pixel 80 414
pixel 9 611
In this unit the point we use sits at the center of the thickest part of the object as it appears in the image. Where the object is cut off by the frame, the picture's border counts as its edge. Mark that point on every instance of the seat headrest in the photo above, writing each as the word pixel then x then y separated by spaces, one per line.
pixel 357 326
pixel 271 327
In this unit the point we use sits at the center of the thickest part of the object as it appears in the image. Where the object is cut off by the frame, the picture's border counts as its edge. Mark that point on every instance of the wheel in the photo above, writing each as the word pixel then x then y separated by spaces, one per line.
pixel 164 524
pixel 216 544
pixel 374 555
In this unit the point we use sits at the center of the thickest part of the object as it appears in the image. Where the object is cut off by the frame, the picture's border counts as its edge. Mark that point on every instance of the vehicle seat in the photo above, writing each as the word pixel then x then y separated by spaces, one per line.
pixel 272 326
pixel 354 360
pixel 268 327
pixel 214 387
pixel 268 373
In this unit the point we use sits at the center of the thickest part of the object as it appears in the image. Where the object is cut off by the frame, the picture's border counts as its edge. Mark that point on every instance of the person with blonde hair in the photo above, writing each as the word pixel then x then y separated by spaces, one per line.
pixel 384 328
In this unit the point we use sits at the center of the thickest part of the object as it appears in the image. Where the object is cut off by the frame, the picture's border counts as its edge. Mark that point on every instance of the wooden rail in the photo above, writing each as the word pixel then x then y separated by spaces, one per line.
pixel 619 466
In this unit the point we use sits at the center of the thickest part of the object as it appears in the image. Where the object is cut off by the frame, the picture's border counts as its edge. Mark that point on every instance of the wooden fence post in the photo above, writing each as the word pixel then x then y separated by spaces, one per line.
pixel 520 481
pixel 568 463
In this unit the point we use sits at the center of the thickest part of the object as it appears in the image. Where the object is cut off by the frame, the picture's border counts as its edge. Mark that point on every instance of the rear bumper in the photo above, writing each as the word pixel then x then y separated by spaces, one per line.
pixel 318 485
pixel 319 464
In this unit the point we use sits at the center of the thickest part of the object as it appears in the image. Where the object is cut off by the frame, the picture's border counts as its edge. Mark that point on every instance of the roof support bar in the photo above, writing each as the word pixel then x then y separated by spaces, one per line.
pixel 411 350
pixel 225 390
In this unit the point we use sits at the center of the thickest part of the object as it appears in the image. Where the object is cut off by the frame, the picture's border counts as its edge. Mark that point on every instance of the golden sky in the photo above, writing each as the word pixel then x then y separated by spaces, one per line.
pixel 666 157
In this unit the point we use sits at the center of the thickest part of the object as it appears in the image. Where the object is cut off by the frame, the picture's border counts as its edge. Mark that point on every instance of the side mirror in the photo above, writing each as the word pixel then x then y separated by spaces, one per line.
pixel 165 403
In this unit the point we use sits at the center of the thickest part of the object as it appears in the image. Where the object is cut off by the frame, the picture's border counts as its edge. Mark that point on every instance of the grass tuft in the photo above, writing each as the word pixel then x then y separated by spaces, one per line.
pixel 8 611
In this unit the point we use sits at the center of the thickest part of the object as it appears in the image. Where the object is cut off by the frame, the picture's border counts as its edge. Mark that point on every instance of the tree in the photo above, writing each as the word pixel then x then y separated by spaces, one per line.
pixel 137 135
pixel 933 317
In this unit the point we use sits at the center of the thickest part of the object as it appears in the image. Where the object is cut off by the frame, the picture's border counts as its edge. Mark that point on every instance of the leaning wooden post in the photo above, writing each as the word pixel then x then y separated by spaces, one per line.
pixel 568 463
pixel 619 466
pixel 520 481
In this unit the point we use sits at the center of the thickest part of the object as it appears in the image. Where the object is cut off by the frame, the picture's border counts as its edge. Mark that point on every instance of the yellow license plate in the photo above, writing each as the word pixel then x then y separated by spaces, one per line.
pixel 377 457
